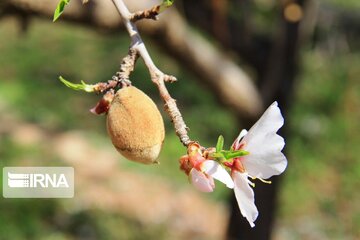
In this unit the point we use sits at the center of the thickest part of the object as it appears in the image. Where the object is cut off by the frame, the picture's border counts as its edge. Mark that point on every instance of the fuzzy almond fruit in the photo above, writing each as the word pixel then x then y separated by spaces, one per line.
pixel 135 125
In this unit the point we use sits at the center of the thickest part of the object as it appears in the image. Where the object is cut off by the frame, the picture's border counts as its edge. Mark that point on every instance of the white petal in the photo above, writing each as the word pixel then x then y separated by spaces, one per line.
pixel 215 170
pixel 265 158
pixel 236 143
pixel 200 181
pixel 242 133
pixel 245 197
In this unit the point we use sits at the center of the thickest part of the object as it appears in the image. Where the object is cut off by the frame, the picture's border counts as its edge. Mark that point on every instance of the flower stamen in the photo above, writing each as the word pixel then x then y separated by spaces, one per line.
pixel 262 180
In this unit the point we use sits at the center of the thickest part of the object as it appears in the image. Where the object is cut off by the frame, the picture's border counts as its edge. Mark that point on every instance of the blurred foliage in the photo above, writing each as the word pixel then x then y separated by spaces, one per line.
pixel 319 187
pixel 324 165
pixel 29 86
pixel 351 4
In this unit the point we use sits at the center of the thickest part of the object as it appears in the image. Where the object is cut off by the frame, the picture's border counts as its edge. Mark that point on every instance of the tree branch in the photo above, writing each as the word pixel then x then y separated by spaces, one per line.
pixel 230 83
pixel 121 77
pixel 151 13
pixel 234 88
pixel 157 76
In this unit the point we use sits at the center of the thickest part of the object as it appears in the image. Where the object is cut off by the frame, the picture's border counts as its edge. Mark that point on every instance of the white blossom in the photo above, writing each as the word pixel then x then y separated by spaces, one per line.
pixel 264 160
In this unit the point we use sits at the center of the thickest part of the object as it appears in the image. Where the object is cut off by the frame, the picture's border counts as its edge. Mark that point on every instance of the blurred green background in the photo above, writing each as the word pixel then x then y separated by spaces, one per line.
pixel 319 197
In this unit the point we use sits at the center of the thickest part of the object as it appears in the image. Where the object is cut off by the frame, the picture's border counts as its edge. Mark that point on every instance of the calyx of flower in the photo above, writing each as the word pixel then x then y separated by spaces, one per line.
pixel 193 159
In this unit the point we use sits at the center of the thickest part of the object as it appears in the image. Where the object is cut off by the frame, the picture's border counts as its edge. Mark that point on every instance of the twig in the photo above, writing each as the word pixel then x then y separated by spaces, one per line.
pixel 151 13
pixel 127 65
pixel 121 77
pixel 157 76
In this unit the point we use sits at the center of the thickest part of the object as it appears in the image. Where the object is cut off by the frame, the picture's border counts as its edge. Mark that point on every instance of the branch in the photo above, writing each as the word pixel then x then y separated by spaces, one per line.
pixel 151 13
pixel 230 83
pixel 121 77
pixel 234 88
pixel 157 76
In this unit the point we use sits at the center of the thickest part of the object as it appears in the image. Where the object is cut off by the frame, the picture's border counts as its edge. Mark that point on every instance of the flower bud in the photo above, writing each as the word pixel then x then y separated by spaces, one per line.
pixel 135 125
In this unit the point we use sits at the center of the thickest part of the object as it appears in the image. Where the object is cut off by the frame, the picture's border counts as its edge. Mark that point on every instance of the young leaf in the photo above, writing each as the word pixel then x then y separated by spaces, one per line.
pixel 233 154
pixel 78 87
pixel 60 9
pixel 220 144
pixel 165 4
pixel 217 155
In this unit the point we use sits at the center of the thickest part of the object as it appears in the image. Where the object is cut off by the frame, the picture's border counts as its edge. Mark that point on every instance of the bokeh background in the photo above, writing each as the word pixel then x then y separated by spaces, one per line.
pixel 42 123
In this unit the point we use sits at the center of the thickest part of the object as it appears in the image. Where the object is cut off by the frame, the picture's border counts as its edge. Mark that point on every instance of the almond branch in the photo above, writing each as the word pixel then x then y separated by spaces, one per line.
pixel 151 13
pixel 157 76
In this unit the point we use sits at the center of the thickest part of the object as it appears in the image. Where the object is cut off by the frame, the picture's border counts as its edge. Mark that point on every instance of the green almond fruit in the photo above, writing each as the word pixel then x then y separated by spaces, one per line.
pixel 135 125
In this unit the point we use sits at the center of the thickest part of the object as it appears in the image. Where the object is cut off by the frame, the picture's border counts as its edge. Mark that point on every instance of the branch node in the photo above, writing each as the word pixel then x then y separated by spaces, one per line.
pixel 169 78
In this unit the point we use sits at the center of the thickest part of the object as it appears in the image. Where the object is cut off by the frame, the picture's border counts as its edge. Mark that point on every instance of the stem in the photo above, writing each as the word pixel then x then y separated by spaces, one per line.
pixel 151 13
pixel 157 76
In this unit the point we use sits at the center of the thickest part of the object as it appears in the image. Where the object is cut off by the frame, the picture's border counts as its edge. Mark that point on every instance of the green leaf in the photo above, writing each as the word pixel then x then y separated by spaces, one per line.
pixel 220 144
pixel 217 155
pixel 168 3
pixel 165 4
pixel 78 87
pixel 60 9
pixel 233 154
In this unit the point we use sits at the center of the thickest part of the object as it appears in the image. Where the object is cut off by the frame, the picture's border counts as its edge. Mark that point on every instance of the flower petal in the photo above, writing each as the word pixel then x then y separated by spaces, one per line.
pixel 245 197
pixel 237 141
pixel 201 181
pixel 215 170
pixel 265 158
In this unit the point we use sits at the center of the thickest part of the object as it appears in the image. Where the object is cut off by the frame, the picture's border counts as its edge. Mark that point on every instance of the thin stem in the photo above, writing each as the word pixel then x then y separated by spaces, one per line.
pixel 151 13
pixel 157 76
pixel 121 78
